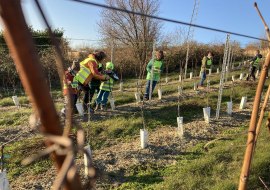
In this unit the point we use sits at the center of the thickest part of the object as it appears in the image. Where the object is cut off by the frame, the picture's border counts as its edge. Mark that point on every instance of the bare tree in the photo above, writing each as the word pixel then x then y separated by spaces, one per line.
pixel 137 31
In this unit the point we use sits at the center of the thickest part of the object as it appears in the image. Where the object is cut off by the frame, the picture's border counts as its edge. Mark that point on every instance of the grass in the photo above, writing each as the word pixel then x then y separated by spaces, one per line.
pixel 7 101
pixel 15 117
pixel 217 169
pixel 195 169
pixel 19 150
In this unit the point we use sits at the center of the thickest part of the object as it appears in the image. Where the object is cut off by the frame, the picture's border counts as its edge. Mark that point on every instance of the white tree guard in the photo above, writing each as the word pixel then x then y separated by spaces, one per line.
pixel 229 108
pixel 79 107
pixel 243 103
pixel 16 100
pixel 87 161
pixel 137 97
pixel 180 128
pixel 159 94
pixel 4 184
pixel 206 114
pixel 144 138
pixel 112 104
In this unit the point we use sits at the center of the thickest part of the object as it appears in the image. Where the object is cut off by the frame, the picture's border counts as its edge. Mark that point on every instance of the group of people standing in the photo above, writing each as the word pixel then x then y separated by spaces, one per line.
pixel 207 63
pixel 90 77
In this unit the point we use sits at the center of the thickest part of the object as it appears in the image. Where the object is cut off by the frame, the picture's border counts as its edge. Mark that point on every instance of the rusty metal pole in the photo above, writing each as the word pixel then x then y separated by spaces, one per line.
pixel 20 43
pixel 252 128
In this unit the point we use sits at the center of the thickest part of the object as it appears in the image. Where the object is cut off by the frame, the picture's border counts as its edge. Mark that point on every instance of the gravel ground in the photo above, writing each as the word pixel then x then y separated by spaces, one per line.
pixel 165 145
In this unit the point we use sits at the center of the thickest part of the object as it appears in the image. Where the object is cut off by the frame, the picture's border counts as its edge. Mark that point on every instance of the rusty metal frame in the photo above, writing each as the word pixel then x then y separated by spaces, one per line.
pixel 20 43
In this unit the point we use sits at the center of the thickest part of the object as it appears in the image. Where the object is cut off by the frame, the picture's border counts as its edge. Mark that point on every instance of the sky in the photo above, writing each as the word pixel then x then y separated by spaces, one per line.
pixel 79 21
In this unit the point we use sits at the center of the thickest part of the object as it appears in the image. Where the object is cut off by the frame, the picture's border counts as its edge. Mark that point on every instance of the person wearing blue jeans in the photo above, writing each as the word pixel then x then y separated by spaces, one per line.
pixel 206 64
pixel 147 90
pixel 102 98
pixel 154 68
pixel 203 77
pixel 105 89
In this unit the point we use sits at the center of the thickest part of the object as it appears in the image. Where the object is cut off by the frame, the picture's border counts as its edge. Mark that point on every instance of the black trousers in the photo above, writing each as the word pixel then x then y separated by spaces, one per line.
pixel 252 73
pixel 93 89
pixel 86 91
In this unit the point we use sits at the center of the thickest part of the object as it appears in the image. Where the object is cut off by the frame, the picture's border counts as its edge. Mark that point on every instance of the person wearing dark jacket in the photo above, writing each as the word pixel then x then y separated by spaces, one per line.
pixel 70 87
pixel 254 65
pixel 95 84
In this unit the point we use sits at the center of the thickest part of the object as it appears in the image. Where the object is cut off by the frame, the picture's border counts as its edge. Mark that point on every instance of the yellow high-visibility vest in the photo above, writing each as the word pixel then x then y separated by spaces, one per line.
pixel 84 72
pixel 107 85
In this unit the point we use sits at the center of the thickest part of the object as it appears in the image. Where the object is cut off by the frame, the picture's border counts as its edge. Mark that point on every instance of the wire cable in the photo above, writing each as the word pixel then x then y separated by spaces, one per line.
pixel 167 19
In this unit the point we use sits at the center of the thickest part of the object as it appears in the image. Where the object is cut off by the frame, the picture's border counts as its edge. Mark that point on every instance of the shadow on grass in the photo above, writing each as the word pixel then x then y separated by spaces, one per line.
pixel 147 173
pixel 167 115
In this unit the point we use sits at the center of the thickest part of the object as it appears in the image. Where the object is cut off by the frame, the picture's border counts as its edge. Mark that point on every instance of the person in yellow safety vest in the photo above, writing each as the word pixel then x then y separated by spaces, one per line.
pixel 105 88
pixel 254 65
pixel 88 71
pixel 70 86
pixel 207 62
pixel 156 68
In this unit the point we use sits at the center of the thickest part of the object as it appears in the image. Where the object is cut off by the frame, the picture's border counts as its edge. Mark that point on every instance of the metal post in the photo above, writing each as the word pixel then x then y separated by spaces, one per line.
pixel 221 84
pixel 152 72
pixel 228 61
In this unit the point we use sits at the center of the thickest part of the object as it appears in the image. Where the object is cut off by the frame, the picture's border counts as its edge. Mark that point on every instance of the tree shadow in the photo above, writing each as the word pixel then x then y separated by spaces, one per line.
pixel 147 171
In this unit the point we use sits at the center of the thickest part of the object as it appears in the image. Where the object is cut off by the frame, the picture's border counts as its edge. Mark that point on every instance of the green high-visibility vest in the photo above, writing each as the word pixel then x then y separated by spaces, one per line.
pixel 107 85
pixel 208 63
pixel 84 72
pixel 156 71
pixel 256 62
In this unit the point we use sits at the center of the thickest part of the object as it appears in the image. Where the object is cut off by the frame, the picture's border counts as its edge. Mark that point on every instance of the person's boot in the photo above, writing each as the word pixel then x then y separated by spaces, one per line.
pixel 145 98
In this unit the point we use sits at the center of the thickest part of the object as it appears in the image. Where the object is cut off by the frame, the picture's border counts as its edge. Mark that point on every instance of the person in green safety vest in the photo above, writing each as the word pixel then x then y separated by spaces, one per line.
pixel 254 65
pixel 95 84
pixel 105 88
pixel 207 62
pixel 88 71
pixel 156 68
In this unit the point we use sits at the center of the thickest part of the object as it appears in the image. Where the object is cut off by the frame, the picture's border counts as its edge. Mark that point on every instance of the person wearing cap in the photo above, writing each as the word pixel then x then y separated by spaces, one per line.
pixel 70 86
pixel 105 88
pixel 95 84
pixel 154 69
pixel 88 71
